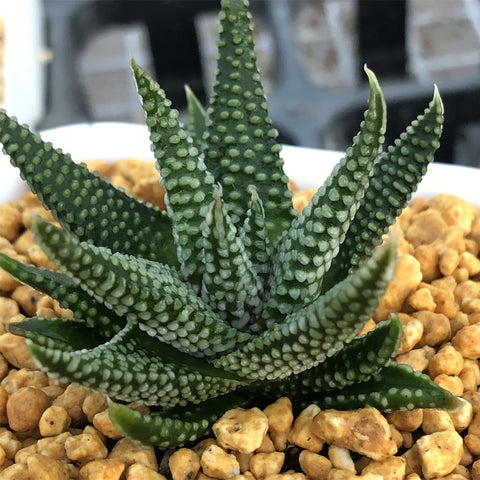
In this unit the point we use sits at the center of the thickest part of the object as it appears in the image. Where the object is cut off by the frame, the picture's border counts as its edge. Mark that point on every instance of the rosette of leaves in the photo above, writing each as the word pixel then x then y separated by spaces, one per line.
pixel 229 297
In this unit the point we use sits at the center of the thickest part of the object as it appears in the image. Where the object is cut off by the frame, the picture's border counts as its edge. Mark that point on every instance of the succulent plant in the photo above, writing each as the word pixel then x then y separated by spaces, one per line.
pixel 229 297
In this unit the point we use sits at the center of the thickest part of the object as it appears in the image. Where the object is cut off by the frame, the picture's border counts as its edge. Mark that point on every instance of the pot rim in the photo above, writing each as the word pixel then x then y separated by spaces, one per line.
pixel 307 167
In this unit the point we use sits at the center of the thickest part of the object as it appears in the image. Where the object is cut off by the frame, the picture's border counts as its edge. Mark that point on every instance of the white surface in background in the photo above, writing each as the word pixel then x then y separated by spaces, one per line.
pixel 23 66
pixel 307 167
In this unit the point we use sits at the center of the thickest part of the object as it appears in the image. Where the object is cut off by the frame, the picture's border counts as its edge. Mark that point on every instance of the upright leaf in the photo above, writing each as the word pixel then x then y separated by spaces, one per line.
pixel 241 142
pixel 230 285
pixel 188 183
pixel 308 248
pixel 395 177
pixel 197 119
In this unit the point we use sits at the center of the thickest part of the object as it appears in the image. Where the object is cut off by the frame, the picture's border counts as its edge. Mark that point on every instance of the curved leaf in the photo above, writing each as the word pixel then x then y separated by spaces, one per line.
pixel 307 249
pixel 133 366
pixel 307 337
pixel 172 427
pixel 189 184
pixel 395 177
pixel 57 332
pixel 69 295
pixel 396 387
pixel 153 297
pixel 85 205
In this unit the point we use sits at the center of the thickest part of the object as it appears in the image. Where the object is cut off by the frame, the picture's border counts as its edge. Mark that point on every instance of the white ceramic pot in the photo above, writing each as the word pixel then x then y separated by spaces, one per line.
pixel 307 167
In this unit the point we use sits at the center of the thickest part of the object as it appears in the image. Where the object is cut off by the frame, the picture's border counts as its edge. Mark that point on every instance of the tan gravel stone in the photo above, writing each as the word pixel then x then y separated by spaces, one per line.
pixel 280 419
pixel 17 471
pixel 436 421
pixel 315 466
pixel 339 474
pixel 102 469
pixel 94 403
pixel 264 464
pixel 129 453
pixel 436 327
pixel 287 476
pixel 412 331
pixel 439 453
pixel 8 309
pixel 406 421
pixel 447 361
pixel 217 463
pixel 426 227
pixel 72 400
pixel 54 421
pixel 406 278
pixel 341 458
pixel 85 448
pixel 392 468
pixel 467 341
pixel 10 222
pixel 24 453
pixel 302 434
pixel 242 476
pixel 9 443
pixel 44 468
pixel 138 471
pixel 14 349
pixel 241 429
pixel 462 418
pixel 102 423
pixel 364 431
pixel 54 447
pixel 454 210
pixel 266 446
pixel 24 377
pixel 25 408
pixel 472 442
pixel 184 464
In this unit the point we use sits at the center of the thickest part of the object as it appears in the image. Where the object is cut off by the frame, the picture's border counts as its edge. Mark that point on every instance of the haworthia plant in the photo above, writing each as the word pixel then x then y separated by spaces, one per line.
pixel 229 297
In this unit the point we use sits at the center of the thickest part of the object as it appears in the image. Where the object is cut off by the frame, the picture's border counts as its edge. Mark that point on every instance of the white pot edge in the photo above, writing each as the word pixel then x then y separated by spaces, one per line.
pixel 305 166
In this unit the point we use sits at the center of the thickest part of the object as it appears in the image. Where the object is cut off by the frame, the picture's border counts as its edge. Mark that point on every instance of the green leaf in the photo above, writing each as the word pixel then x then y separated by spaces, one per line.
pixel 63 287
pixel 133 366
pixel 189 185
pixel 307 337
pixel 356 362
pixel 152 296
pixel 254 235
pixel 241 141
pixel 308 248
pixel 57 333
pixel 395 177
pixel 230 283
pixel 88 207
pixel 196 119
pixel 172 427
pixel 396 387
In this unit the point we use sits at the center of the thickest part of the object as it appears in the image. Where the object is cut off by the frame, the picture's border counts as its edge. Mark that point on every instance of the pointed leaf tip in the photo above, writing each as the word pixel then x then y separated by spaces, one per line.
pixel 375 88
pixel 370 74
pixel 437 99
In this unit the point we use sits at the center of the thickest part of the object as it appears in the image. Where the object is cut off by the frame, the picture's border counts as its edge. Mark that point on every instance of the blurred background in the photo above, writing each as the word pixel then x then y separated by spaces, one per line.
pixel 67 61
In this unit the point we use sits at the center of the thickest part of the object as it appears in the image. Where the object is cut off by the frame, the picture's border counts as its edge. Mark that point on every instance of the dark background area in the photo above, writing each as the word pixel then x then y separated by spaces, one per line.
pixel 381 41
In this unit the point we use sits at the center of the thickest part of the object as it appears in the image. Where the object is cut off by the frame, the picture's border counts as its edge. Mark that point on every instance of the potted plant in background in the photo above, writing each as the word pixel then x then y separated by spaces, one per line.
pixel 228 298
